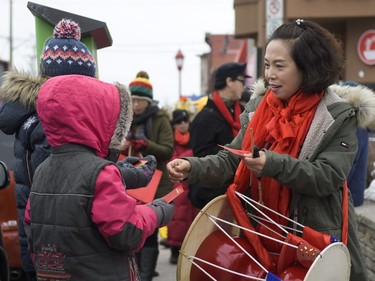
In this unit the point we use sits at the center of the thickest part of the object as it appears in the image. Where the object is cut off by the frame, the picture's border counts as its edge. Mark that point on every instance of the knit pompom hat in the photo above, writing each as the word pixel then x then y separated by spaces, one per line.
pixel 141 87
pixel 65 54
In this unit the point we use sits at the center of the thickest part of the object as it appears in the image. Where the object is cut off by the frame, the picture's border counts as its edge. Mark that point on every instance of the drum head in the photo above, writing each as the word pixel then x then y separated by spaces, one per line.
pixel 201 227
pixel 333 263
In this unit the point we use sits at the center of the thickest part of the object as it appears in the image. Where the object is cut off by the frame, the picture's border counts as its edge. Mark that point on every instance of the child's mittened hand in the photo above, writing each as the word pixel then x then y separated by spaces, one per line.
pixel 163 210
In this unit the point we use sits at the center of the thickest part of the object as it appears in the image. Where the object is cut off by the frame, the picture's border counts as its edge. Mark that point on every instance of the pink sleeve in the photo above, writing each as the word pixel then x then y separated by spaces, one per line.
pixel 27 217
pixel 113 208
pixel 26 222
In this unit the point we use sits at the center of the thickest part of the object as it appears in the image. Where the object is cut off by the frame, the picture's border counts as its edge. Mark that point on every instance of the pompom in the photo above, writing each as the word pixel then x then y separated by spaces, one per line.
pixel 67 29
pixel 142 74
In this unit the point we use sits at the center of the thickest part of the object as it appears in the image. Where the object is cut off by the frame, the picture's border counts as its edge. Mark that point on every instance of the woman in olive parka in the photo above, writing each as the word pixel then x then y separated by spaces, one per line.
pixel 305 126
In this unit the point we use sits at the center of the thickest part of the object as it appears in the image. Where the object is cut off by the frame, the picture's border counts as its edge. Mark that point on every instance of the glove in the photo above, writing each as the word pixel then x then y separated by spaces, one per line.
pixel 163 210
pixel 132 160
pixel 151 161
pixel 138 176
pixel 139 145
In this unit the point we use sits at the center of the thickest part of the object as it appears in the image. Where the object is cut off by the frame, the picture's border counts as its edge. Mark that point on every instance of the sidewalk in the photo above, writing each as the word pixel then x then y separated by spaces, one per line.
pixel 167 271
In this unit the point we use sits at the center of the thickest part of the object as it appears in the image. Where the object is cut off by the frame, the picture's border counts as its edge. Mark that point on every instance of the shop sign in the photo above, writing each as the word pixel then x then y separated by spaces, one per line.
pixel 274 15
pixel 366 47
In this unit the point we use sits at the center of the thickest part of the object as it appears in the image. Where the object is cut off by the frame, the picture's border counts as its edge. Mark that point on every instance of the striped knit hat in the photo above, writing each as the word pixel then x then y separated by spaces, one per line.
pixel 141 87
pixel 65 54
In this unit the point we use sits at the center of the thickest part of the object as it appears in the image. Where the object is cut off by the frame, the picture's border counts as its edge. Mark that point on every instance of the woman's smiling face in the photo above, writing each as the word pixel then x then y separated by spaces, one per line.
pixel 281 72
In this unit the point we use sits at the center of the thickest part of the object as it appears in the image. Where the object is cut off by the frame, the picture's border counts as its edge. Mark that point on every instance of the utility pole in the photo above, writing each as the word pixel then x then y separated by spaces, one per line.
pixel 10 34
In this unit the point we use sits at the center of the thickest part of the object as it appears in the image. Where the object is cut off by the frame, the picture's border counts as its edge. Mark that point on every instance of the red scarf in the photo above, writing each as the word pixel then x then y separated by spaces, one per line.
pixel 180 138
pixel 233 122
pixel 286 128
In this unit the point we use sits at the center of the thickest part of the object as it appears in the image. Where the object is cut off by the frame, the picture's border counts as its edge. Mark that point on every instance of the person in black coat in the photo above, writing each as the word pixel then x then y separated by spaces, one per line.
pixel 218 122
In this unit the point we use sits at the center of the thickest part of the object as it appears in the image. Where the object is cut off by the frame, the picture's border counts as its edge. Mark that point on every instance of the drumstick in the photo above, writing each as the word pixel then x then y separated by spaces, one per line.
pixel 130 150
pixel 251 145
pixel 251 138
pixel 260 190
pixel 255 154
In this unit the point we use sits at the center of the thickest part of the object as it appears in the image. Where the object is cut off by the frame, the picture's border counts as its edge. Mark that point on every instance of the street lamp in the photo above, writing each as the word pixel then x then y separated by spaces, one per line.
pixel 179 62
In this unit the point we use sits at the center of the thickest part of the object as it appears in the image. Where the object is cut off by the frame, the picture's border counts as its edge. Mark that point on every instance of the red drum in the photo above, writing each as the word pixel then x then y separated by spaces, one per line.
pixel 200 229
pixel 218 249
pixel 206 248
pixel 294 273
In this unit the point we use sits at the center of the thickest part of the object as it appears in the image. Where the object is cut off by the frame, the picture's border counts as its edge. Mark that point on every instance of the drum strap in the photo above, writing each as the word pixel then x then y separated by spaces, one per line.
pixel 345 214
pixel 242 219
pixel 322 240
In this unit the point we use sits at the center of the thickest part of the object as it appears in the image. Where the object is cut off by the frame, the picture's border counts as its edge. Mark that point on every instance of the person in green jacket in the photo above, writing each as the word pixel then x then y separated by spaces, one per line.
pixel 150 134
pixel 305 127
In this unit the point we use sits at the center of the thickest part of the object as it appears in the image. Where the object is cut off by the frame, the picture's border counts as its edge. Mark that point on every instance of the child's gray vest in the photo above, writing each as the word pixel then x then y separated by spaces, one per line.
pixel 66 243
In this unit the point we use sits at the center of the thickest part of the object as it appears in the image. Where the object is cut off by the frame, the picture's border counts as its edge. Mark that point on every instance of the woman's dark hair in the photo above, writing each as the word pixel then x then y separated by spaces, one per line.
pixel 316 52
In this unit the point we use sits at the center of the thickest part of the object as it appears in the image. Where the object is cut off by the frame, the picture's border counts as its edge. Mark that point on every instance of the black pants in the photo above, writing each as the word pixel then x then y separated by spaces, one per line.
pixel 147 257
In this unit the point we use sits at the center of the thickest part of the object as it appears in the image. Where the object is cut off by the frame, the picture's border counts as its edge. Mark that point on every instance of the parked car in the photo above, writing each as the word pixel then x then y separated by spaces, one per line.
pixel 10 257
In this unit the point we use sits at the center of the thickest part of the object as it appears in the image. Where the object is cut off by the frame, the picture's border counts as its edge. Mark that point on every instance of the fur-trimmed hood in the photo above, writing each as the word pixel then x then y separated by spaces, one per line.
pixel 360 97
pixel 18 94
pixel 21 87
pixel 84 110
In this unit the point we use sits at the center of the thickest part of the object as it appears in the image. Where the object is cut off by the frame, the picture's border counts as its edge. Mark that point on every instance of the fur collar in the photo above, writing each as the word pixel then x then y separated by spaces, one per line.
pixel 125 118
pixel 360 97
pixel 21 87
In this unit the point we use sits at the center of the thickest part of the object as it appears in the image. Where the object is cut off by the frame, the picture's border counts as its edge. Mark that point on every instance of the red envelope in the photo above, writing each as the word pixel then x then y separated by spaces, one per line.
pixel 140 163
pixel 235 151
pixel 146 194
pixel 174 194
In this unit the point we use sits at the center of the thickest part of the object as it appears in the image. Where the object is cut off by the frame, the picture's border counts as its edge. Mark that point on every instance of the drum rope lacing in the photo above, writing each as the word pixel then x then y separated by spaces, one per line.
pixel 214 220
pixel 192 258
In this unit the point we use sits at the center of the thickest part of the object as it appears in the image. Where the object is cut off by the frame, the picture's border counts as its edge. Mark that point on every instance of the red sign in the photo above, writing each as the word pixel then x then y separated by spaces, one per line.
pixel 366 47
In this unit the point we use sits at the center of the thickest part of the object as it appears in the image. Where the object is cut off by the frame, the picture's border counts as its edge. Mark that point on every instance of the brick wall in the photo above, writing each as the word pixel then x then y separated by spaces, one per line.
pixel 366 229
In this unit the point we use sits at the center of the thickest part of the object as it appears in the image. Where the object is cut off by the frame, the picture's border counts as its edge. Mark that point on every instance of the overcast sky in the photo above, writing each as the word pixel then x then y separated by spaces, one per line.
pixel 146 36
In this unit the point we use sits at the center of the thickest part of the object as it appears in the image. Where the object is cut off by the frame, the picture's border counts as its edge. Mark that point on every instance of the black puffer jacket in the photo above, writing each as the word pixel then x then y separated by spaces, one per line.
pixel 208 129
pixel 18 116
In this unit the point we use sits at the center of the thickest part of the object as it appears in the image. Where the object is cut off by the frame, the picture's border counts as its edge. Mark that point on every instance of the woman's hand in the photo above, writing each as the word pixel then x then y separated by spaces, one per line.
pixel 255 164
pixel 178 169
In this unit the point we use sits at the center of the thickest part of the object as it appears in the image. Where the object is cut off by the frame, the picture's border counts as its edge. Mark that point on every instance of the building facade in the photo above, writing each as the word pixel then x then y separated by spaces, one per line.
pixel 353 22
pixel 223 48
